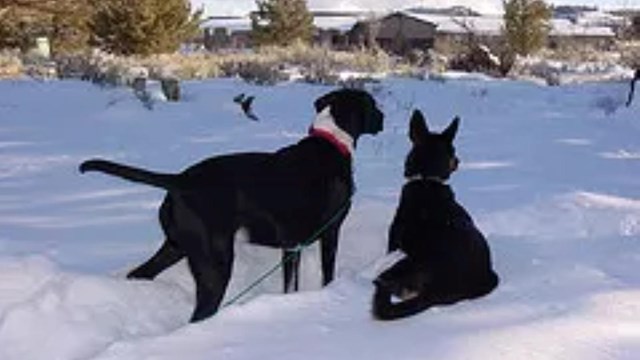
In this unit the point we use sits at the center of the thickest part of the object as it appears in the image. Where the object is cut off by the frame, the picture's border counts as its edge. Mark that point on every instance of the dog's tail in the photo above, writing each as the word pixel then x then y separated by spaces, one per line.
pixel 165 181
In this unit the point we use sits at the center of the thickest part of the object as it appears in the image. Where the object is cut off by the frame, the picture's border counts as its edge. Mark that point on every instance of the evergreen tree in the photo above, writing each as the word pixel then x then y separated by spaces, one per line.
pixel 281 22
pixel 143 27
pixel 65 22
pixel 526 25
pixel 18 28
pixel 69 28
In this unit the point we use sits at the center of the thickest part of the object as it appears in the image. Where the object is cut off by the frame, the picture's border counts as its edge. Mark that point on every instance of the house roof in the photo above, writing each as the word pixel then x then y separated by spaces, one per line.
pixel 325 22
pixel 482 25
pixel 342 23
pixel 564 27
pixel 599 18
pixel 231 23
pixel 492 25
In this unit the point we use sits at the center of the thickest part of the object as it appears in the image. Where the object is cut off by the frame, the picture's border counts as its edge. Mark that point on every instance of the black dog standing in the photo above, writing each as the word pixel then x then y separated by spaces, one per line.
pixel 282 198
pixel 447 257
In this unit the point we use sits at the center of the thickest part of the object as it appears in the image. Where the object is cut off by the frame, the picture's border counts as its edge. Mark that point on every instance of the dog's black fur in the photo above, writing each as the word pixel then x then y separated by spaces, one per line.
pixel 282 198
pixel 632 87
pixel 447 257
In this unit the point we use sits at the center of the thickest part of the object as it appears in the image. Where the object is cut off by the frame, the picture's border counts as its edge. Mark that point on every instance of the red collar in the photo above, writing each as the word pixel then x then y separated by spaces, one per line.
pixel 327 135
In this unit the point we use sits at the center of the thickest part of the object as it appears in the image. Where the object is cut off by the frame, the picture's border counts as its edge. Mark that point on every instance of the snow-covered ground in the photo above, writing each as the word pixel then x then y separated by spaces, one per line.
pixel 551 175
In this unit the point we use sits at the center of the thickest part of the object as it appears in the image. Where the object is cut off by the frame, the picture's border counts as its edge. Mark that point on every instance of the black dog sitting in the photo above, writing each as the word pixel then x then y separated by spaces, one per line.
pixel 282 198
pixel 447 258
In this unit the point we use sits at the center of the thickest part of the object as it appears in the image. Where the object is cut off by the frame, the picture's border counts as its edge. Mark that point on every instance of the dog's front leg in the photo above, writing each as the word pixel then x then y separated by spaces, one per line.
pixel 401 218
pixel 291 267
pixel 329 247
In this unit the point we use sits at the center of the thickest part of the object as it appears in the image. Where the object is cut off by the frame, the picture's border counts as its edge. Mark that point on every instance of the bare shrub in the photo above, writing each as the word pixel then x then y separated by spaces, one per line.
pixel 580 54
pixel 189 66
pixel 72 66
pixel 267 65
pixel 630 54
pixel 10 65
pixel 306 56
pixel 260 72
pixel 313 64
pixel 41 70
pixel 477 59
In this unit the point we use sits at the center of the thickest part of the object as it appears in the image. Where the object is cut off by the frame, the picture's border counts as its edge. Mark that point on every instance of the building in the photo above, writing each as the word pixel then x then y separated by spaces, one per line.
pixel 568 35
pixel 454 32
pixel 404 31
pixel 396 33
pixel 451 34
pixel 330 29
pixel 226 32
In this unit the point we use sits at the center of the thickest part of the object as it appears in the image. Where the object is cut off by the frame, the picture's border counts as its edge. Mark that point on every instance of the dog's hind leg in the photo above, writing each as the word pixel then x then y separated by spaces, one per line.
pixel 291 267
pixel 210 261
pixel 210 256
pixel 208 246
pixel 166 256
pixel 211 282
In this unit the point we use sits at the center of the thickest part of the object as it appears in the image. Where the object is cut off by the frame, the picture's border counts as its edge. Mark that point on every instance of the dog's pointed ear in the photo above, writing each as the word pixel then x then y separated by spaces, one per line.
pixel 450 132
pixel 418 129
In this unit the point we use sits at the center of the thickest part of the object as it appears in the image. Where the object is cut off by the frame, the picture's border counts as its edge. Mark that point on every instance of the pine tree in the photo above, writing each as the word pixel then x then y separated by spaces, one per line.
pixel 18 28
pixel 65 22
pixel 281 22
pixel 69 27
pixel 143 27
pixel 21 21
pixel 526 25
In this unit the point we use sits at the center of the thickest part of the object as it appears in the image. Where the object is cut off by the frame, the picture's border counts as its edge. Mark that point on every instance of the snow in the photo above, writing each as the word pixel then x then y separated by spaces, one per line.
pixel 564 27
pixel 550 175
pixel 484 25
pixel 231 23
pixel 599 18
pixel 573 72
pixel 340 23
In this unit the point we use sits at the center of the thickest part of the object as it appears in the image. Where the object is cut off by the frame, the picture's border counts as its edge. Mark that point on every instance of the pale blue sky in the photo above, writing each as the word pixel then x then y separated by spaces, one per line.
pixel 227 7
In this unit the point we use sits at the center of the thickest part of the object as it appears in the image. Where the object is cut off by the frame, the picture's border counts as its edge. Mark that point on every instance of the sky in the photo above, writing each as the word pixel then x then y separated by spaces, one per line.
pixel 239 7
